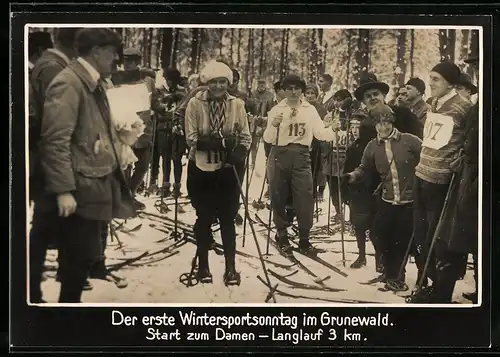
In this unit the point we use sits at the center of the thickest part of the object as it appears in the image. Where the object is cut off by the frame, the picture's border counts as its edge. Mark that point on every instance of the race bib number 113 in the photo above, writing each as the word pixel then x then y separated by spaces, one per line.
pixel 438 130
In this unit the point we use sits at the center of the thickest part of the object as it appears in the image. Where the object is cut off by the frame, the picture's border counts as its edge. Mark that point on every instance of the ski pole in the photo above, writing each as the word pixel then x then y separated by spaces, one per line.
pixel 176 196
pixel 340 198
pixel 254 234
pixel 246 194
pixel 405 258
pixel 259 204
pixel 271 193
pixel 436 234
pixel 148 173
pixel 330 162
pixel 253 168
pixel 315 182
pixel 248 181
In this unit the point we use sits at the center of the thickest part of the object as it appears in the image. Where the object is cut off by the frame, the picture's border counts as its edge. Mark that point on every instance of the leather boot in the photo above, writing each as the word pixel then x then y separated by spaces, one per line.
pixel 176 193
pixel 231 277
pixel 204 275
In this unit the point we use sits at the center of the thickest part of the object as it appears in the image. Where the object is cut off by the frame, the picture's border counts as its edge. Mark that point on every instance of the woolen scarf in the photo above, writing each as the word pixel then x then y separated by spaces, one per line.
pixel 217 112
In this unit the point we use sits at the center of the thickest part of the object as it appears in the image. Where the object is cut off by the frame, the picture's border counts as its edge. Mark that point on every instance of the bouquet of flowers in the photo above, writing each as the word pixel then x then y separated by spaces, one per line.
pixel 126 103
pixel 129 129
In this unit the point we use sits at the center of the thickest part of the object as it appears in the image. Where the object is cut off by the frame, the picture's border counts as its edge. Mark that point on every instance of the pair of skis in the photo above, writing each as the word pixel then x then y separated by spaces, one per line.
pixel 218 249
pixel 275 290
pixel 169 250
pixel 298 263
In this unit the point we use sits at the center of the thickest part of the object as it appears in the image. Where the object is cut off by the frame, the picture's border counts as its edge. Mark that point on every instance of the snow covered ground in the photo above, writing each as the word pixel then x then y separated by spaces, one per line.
pixel 159 282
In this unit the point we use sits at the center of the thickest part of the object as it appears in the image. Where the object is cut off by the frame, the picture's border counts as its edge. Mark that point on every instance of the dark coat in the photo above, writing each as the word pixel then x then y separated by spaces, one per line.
pixel 460 222
pixel 250 103
pixel 316 148
pixel 78 148
pixel 406 122
pixel 48 66
pixel 165 104
pixel 262 100
pixel 359 195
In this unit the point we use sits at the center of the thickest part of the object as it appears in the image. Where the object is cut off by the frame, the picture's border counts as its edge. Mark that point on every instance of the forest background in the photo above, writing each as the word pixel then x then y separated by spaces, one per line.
pixel 394 55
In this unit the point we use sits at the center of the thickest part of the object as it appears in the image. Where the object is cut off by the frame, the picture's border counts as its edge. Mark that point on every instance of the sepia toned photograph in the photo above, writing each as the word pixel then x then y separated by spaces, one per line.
pixel 255 165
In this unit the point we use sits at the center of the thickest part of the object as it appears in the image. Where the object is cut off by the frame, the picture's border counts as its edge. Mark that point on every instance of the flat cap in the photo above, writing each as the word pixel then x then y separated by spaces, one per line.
pixel 87 38
pixel 472 59
pixel 132 52
pixel 40 38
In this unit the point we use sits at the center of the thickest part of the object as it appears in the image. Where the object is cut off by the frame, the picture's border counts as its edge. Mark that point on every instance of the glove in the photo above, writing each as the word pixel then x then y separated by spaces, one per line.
pixel 458 163
pixel 237 156
pixel 346 104
pixel 177 130
pixel 259 121
pixel 230 142
pixel 348 177
pixel 332 121
pixel 278 118
pixel 208 143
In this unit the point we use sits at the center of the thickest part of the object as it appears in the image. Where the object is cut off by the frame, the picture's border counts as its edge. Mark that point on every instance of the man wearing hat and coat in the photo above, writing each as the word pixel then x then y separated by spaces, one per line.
pixel 466 88
pixel 42 234
pixel 414 93
pixel 443 141
pixel 460 231
pixel 373 94
pixel 38 42
pixel 85 185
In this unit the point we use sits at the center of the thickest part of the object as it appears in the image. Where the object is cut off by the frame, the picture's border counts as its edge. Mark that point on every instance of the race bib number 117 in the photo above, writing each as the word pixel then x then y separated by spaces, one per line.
pixel 438 130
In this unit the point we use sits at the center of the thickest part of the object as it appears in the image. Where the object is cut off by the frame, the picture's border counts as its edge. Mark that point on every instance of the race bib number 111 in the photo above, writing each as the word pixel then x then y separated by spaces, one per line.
pixel 438 130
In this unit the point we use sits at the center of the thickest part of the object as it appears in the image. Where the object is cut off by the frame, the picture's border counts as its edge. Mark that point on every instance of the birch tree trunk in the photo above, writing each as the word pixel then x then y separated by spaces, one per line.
pixel 400 72
pixel 261 55
pixel 474 50
pixel 238 60
pixel 464 48
pixel 282 54
pixel 175 49
pixel 362 54
pixel 231 44
pixel 412 52
pixel 194 49
pixel 447 40
pixel 201 37
pixel 348 60
pixel 167 40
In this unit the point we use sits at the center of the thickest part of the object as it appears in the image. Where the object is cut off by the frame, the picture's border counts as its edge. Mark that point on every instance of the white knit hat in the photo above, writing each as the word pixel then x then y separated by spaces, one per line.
pixel 216 70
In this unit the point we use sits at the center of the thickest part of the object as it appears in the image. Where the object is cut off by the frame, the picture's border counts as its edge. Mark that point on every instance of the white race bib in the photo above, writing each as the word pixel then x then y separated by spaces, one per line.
pixel 438 130
pixel 342 137
pixel 209 160
pixel 296 130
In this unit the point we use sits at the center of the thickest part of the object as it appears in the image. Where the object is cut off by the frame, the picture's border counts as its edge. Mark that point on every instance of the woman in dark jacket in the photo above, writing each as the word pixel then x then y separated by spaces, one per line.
pixel 359 196
pixel 311 95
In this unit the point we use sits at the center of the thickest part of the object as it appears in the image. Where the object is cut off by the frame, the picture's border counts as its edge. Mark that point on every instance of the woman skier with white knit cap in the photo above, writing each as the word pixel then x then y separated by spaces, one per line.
pixel 292 124
pixel 218 136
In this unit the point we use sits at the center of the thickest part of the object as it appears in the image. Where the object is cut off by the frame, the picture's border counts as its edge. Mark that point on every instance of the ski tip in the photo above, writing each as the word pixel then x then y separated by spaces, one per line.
pixel 321 280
